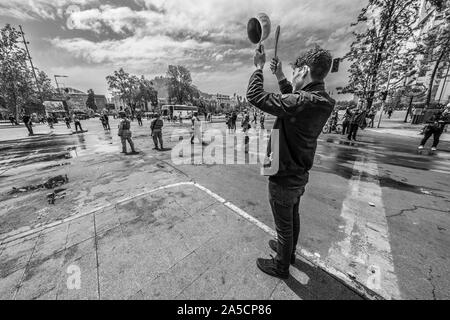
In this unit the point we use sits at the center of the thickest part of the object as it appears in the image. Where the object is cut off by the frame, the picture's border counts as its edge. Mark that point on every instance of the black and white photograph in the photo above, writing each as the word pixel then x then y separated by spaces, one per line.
pixel 225 156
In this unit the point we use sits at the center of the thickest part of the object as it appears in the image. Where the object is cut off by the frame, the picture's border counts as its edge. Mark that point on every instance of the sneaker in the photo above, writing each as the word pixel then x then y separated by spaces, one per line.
pixel 420 147
pixel 269 266
pixel 274 246
pixel 433 149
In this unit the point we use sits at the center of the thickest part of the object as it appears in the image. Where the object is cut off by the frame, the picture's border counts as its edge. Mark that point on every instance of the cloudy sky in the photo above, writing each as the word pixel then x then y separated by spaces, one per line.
pixel 88 39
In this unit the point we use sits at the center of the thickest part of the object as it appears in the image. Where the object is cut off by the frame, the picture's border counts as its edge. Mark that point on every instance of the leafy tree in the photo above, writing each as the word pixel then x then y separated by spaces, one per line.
pixel 17 83
pixel 375 46
pixel 132 90
pixel 45 84
pixel 435 47
pixel 179 84
pixel 144 92
pixel 90 102
pixel 122 83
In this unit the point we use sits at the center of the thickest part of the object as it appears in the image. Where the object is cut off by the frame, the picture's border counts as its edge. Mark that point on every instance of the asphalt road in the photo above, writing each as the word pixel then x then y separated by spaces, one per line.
pixel 374 208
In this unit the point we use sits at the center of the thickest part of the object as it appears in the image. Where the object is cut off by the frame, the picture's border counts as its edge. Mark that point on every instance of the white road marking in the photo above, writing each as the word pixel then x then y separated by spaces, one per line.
pixel 440 171
pixel 365 250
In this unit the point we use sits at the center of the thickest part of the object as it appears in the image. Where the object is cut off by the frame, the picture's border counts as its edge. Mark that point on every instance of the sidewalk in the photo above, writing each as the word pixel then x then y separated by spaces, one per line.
pixel 397 126
pixel 174 241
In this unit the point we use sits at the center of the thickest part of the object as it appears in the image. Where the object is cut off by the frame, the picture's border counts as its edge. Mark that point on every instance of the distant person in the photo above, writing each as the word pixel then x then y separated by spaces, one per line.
pixel 156 132
pixel 357 120
pixel 246 127
pixel 233 121
pixel 434 129
pixel 228 122
pixel 371 116
pixel 67 121
pixel 12 120
pixel 139 119
pixel 125 133
pixel 106 119
pixel 180 117
pixel 196 128
pixel 390 111
pixel 262 118
pixel 27 121
pixel 102 120
pixel 50 122
pixel 77 123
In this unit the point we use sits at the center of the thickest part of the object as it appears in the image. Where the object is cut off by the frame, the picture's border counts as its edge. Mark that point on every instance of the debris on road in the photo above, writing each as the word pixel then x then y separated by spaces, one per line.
pixel 371 204
pixel 56 181
pixel 425 191
pixel 49 184
pixel 57 194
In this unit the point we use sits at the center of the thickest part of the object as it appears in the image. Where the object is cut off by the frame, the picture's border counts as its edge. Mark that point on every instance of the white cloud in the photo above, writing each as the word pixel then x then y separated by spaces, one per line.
pixel 208 36
pixel 38 9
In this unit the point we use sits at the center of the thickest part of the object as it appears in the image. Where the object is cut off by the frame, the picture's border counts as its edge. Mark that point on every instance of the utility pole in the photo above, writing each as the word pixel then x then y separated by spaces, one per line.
pixel 444 85
pixel 31 62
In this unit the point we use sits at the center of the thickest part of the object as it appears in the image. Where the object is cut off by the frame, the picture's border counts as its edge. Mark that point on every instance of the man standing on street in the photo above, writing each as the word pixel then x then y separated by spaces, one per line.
pixel 125 133
pixel 156 129
pixel 139 118
pixel 106 119
pixel 27 121
pixel 77 123
pixel 262 118
pixel 346 123
pixel 196 128
pixel 255 118
pixel 67 121
pixel 371 115
pixel 356 121
pixel 233 121
pixel 302 109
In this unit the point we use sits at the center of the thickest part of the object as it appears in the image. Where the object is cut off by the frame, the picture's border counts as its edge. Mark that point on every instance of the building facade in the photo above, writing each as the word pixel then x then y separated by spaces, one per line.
pixel 76 100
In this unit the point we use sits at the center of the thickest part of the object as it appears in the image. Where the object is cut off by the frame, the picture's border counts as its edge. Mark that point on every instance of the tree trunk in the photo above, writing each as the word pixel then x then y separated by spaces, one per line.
pixel 409 109
pixel 433 75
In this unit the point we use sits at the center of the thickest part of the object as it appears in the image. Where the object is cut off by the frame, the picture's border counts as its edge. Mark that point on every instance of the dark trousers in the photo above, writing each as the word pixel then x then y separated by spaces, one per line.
pixel 124 144
pixel 30 129
pixel 157 136
pixel 285 204
pixel 353 131
pixel 78 125
pixel 68 125
pixel 345 127
pixel 139 121
pixel 436 135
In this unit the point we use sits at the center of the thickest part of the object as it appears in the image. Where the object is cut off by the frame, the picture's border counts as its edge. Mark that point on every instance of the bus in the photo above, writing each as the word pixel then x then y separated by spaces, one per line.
pixel 175 110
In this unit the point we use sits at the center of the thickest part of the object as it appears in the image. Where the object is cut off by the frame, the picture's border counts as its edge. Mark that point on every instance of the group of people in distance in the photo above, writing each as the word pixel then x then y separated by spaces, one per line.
pixel 156 127
pixel 359 117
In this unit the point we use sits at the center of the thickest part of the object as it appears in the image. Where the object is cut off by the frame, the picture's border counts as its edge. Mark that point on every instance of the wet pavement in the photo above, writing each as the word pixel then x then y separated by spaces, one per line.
pixel 410 210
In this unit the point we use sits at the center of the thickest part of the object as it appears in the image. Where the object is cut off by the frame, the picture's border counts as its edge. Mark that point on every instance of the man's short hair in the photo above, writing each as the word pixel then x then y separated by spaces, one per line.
pixel 317 59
